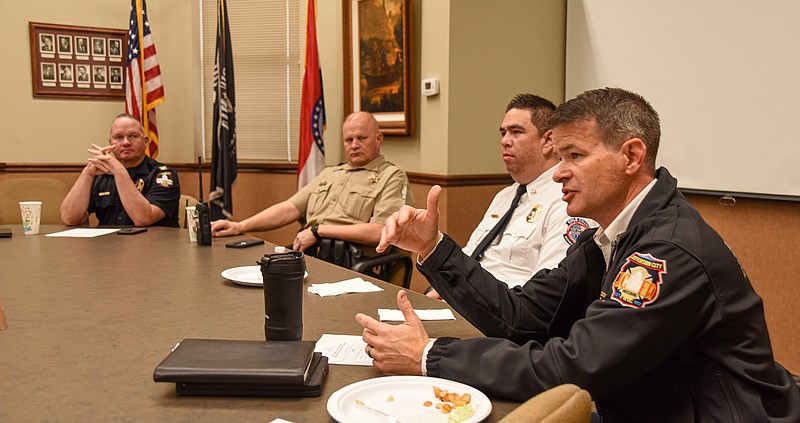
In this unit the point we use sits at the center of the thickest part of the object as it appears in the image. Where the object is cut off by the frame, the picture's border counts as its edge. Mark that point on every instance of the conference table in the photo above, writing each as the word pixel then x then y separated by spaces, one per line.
pixel 90 318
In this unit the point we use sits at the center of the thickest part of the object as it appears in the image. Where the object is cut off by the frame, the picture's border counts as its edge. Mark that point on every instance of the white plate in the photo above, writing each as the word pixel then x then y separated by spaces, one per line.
pixel 246 275
pixel 402 397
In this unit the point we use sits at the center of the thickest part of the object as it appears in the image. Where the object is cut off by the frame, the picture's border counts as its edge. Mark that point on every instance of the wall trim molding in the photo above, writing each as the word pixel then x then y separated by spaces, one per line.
pixel 282 168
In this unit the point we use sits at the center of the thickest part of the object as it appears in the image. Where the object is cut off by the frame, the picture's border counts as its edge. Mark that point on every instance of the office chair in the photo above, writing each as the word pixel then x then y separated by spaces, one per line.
pixel 350 255
pixel 185 201
pixel 50 192
pixel 562 404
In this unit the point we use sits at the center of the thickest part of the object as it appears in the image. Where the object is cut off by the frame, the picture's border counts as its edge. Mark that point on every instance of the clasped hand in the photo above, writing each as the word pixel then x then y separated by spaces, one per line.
pixel 104 161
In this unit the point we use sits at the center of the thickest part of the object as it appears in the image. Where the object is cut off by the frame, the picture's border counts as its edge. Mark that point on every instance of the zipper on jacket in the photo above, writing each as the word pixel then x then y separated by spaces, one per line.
pixel 732 411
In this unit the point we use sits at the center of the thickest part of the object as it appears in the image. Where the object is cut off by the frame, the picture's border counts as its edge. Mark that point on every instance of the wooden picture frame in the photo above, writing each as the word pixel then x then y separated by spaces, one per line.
pixel 378 62
pixel 73 61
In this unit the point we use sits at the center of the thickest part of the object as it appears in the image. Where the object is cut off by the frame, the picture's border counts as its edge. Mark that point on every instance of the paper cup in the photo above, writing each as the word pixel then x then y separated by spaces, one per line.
pixel 31 216
pixel 192 221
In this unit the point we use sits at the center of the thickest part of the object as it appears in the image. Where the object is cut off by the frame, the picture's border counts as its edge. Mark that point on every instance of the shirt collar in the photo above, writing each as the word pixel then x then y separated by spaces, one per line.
pixel 373 165
pixel 540 183
pixel 605 237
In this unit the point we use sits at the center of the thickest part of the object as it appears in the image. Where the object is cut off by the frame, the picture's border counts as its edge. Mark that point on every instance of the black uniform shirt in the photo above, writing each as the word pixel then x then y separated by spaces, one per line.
pixel 157 182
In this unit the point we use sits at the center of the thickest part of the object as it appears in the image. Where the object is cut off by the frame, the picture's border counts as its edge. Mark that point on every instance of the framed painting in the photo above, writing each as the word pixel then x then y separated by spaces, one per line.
pixel 377 62
pixel 73 61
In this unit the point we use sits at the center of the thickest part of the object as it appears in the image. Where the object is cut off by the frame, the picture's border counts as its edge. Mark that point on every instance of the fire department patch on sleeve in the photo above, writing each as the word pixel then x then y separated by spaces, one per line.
pixel 164 179
pixel 639 280
pixel 575 227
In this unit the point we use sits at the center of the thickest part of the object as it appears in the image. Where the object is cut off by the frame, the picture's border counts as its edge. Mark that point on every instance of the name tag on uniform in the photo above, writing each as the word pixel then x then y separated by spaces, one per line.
pixel 103 194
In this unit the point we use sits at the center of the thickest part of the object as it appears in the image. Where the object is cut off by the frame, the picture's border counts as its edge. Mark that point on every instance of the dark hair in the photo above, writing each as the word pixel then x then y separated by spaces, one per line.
pixel 541 109
pixel 620 115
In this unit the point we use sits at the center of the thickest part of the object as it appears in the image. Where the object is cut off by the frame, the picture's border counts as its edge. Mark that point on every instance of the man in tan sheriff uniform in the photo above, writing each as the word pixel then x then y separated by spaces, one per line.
pixel 350 201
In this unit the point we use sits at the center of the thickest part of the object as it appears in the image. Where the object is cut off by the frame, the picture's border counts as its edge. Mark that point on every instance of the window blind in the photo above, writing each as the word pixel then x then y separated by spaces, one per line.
pixel 267 71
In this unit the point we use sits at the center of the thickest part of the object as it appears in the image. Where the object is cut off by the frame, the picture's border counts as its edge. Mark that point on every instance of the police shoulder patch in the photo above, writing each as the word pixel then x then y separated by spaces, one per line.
pixel 575 227
pixel 164 179
pixel 639 280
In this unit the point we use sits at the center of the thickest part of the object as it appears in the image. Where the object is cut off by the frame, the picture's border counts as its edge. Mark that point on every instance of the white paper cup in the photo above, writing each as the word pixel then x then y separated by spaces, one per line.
pixel 31 216
pixel 192 221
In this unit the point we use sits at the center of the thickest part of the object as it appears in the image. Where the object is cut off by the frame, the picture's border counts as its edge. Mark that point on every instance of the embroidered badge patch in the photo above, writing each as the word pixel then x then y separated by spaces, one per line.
pixel 164 179
pixel 575 227
pixel 639 280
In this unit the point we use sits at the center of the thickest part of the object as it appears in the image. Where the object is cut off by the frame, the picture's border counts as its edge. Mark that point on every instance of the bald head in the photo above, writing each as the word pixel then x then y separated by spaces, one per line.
pixel 362 118
pixel 362 138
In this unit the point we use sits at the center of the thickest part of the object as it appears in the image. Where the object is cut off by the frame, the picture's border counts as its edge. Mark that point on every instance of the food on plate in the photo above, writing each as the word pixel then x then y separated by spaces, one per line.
pixel 456 405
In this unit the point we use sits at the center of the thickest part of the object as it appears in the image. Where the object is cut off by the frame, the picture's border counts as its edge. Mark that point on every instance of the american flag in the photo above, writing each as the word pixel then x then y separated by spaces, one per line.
pixel 141 99
pixel 312 109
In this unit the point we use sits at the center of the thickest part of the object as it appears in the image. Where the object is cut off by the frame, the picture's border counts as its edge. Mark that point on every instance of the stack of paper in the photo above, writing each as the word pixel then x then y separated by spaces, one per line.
pixel 343 287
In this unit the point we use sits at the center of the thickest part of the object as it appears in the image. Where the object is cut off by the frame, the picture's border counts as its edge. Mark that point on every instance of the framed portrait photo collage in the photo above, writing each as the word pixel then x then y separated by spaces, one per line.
pixel 77 61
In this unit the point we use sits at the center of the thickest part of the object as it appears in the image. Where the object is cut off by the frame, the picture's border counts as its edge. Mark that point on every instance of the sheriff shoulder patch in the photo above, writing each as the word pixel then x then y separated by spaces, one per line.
pixel 164 179
pixel 575 227
pixel 639 280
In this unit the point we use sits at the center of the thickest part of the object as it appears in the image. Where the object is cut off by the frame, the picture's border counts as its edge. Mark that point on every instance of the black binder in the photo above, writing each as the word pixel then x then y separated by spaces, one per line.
pixel 244 368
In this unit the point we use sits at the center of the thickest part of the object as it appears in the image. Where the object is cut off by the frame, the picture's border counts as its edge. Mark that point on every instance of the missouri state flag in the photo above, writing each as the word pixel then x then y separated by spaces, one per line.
pixel 311 159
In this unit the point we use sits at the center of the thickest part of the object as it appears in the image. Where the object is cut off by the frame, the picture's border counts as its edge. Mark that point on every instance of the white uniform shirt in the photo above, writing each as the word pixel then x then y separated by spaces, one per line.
pixel 536 237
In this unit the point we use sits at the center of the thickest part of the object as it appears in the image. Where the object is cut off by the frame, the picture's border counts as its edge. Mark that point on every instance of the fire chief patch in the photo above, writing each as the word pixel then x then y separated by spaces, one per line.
pixel 638 281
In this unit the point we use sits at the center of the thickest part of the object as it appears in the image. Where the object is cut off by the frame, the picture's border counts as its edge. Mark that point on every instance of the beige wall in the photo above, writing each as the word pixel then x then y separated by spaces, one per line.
pixel 481 54
pixel 37 130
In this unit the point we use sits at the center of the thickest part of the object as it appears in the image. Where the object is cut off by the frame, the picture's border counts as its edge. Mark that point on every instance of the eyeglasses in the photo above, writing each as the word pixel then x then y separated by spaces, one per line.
pixel 131 137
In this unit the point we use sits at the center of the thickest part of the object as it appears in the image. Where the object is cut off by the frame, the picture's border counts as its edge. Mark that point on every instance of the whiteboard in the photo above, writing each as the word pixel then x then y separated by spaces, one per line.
pixel 724 76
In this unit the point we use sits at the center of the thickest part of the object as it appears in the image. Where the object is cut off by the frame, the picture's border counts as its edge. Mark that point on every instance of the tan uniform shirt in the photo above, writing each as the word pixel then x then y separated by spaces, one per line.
pixel 340 195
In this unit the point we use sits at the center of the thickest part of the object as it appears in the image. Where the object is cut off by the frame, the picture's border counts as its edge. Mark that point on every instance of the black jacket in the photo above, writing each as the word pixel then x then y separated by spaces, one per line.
pixel 672 332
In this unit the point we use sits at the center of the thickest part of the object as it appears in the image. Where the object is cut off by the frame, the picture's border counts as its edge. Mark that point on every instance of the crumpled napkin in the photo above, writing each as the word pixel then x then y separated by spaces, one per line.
pixel 343 287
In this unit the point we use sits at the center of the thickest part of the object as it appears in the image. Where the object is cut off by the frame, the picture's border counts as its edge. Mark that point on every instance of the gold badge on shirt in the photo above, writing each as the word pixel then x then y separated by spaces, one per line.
pixel 373 179
pixel 140 184
pixel 534 213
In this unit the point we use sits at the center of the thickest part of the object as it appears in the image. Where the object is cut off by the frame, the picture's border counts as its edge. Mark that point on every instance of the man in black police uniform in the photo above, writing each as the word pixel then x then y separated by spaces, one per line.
pixel 650 312
pixel 122 185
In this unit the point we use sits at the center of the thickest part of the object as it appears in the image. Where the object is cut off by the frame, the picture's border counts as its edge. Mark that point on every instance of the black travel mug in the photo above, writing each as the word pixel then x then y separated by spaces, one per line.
pixel 283 295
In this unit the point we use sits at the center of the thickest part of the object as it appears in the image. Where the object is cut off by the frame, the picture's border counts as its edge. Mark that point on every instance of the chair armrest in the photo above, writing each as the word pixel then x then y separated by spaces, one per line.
pixel 386 259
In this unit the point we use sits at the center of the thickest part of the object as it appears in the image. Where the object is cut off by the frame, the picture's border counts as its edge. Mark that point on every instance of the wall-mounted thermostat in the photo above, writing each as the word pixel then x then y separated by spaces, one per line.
pixel 430 87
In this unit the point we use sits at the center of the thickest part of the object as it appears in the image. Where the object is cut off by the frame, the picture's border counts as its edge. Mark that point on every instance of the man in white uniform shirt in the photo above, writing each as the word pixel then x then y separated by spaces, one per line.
pixel 539 231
